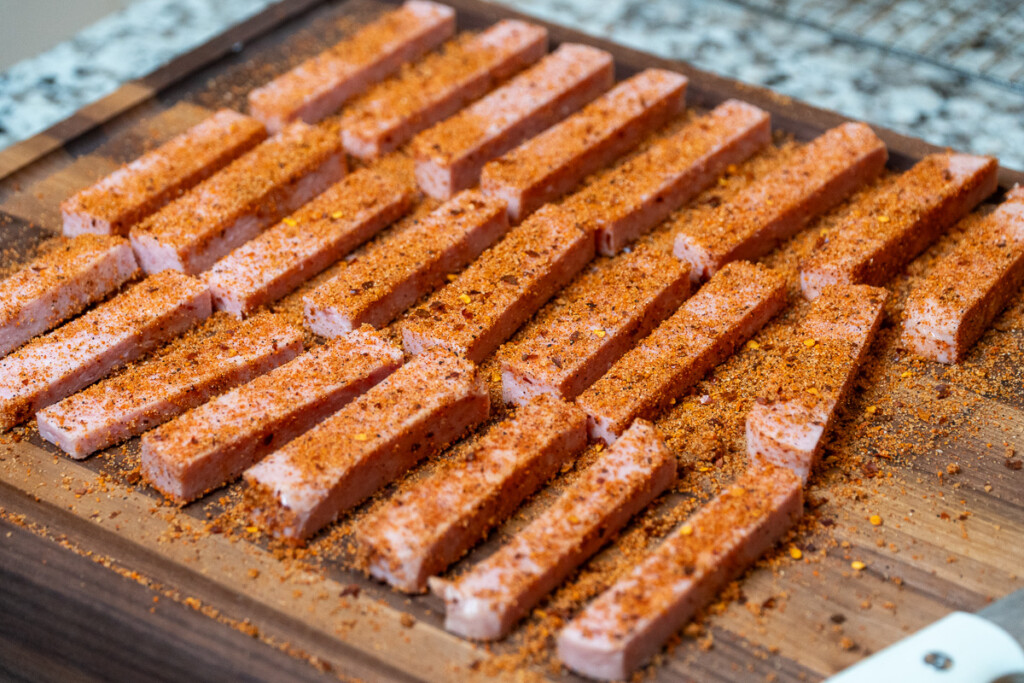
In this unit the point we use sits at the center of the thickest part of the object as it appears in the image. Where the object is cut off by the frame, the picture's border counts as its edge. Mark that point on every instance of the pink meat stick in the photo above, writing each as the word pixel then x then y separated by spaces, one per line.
pixel 894 224
pixel 60 284
pixel 630 622
pixel 393 274
pixel 321 85
pixel 499 291
pixel 84 350
pixel 189 373
pixel 428 403
pixel 591 323
pixel 450 155
pixel 126 196
pixel 235 205
pixel 796 408
pixel 947 312
pixel 437 86
pixel 423 530
pixel 485 602
pixel 214 443
pixel 273 264
pixel 549 165
pixel 823 173
pixel 706 330
pixel 633 197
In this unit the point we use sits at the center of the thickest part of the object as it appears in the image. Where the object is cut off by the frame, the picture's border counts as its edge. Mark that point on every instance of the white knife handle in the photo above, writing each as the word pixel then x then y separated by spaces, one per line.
pixel 961 648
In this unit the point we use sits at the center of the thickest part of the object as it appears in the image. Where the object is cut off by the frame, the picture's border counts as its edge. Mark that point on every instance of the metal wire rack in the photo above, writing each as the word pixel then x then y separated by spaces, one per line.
pixel 978 38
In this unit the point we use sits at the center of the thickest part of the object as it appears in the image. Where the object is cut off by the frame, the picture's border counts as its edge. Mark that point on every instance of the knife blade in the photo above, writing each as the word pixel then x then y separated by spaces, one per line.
pixel 987 647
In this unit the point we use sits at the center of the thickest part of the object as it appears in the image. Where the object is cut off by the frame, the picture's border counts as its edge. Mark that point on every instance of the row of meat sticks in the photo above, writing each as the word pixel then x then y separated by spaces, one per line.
pixel 526 153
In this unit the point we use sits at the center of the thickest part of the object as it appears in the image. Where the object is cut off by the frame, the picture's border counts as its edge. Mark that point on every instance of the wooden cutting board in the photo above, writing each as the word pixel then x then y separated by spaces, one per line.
pixel 100 579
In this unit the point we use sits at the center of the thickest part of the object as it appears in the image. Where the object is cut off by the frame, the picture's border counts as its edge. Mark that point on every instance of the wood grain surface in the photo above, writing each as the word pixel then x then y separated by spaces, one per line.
pixel 99 579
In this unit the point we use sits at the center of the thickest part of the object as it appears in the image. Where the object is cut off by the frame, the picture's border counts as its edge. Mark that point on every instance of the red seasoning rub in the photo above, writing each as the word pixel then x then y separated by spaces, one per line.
pixel 214 443
pixel 948 311
pixel 425 405
pixel 897 222
pixel 235 205
pixel 437 86
pixel 796 407
pixel 60 284
pixel 499 291
pixel 126 196
pixel 392 274
pixel 822 173
pixel 727 311
pixel 631 621
pixel 591 323
pixel 424 529
pixel 188 374
pixel 630 199
pixel 320 85
pixel 549 165
pixel 486 601
pixel 347 214
pixel 84 350
pixel 450 155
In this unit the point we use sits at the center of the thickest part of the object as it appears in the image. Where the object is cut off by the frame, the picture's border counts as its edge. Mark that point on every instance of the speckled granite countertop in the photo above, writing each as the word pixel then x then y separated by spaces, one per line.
pixel 948 71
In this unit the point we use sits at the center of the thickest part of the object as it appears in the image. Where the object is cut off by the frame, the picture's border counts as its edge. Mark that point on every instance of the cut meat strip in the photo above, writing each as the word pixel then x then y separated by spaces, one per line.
pixel 425 405
pixel 630 199
pixel 897 222
pixel 499 291
pixel 579 335
pixel 450 155
pixel 631 621
pixel 329 227
pixel 184 376
pixel 423 530
pixel 785 427
pixel 126 196
pixel 84 350
pixel 393 274
pixel 726 312
pixel 320 85
pixel 214 443
pixel 555 161
pixel 947 312
pixel 233 206
pixel 439 85
pixel 489 599
pixel 823 173
pixel 60 284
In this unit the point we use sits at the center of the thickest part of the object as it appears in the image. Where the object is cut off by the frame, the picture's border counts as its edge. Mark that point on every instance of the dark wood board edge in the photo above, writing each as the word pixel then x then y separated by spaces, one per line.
pixel 99 611
pixel 137 91
pixel 130 530
pixel 105 544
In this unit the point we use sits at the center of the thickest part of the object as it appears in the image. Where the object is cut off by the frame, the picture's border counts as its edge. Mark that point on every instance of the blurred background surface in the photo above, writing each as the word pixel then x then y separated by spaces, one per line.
pixel 949 71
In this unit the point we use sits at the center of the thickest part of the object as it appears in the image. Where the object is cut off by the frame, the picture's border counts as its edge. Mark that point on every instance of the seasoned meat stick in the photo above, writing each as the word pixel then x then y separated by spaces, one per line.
pixel 84 350
pixel 215 442
pixel 450 155
pixel 320 85
pixel 437 86
pixel 423 530
pixel 154 391
pixel 126 196
pixel 60 284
